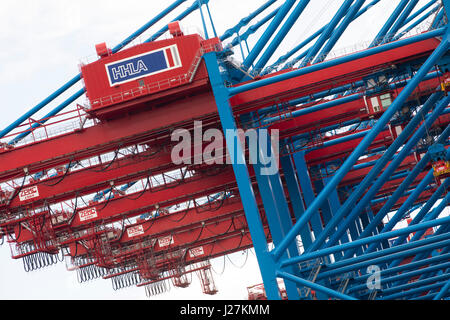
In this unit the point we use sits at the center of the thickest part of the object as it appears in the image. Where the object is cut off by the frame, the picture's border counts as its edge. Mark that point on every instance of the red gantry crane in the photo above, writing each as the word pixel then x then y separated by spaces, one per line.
pixel 361 137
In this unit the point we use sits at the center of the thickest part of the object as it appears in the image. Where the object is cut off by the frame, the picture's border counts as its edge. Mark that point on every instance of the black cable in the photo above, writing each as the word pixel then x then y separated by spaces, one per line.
pixel 63 177
pixel 110 164
pixel 15 194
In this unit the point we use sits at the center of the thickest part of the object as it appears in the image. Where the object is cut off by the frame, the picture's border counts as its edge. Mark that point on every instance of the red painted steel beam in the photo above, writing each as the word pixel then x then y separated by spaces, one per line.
pixel 329 78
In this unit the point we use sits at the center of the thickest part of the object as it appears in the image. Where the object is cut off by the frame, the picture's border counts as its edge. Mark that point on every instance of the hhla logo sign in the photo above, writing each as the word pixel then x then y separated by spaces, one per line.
pixel 208 147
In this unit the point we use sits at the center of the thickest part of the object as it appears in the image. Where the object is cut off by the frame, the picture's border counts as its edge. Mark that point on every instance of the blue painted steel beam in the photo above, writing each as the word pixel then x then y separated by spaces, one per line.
pixel 314 286
pixel 205 29
pixel 407 267
pixel 308 192
pixel 419 12
pixel 400 20
pixel 295 196
pixel 372 239
pixel 385 29
pixel 326 33
pixel 443 291
pixel 283 58
pixel 245 21
pixel 414 291
pixel 276 41
pixel 379 126
pixel 336 35
pixel 379 257
pixel 262 42
pixel 211 20
pixel 251 30
pixel 415 24
pixel 387 156
pixel 401 276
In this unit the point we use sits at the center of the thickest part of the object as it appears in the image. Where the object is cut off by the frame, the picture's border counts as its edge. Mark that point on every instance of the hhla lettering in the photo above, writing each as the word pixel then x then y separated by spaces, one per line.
pixel 128 70
pixel 209 147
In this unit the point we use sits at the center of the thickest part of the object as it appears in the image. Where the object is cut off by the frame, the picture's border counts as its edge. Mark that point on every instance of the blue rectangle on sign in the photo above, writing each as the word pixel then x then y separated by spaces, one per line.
pixel 137 67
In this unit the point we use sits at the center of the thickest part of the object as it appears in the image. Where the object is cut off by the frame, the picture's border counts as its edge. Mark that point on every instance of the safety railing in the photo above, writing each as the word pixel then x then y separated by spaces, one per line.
pixel 60 124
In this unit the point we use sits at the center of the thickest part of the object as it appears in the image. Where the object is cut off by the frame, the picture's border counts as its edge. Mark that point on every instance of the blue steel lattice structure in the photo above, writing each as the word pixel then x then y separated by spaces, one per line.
pixel 357 158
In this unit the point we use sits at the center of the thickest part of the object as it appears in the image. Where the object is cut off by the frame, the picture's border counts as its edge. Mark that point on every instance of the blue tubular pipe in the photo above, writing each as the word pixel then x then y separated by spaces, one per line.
pixel 406 267
pixel 432 215
pixel 418 218
pixel 254 28
pixel 402 276
pixel 414 291
pixel 77 78
pixel 415 24
pixel 314 286
pixel 367 141
pixel 385 29
pixel 41 105
pixel 414 173
pixel 205 29
pixel 326 33
pixel 284 9
pixel 211 20
pixel 311 38
pixel 443 291
pixel 381 257
pixel 230 32
pixel 339 31
pixel 387 156
pixel 387 172
pixel 390 251
pixel 400 21
pixel 416 284
pixel 438 19
pixel 354 244
pixel 275 43
pixel 419 12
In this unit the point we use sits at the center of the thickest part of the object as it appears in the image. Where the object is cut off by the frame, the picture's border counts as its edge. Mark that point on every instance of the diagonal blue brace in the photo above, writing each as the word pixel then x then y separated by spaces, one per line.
pixel 391 168
pixel 259 46
pixel 77 78
pixel 326 33
pixel 365 143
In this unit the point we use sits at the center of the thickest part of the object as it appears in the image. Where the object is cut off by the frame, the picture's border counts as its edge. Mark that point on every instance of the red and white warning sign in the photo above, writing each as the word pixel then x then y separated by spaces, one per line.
pixel 88 214
pixel 196 252
pixel 166 241
pixel 135 231
pixel 29 193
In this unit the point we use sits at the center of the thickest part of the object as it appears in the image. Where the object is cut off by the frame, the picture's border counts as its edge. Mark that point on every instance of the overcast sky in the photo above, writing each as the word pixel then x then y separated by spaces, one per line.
pixel 43 43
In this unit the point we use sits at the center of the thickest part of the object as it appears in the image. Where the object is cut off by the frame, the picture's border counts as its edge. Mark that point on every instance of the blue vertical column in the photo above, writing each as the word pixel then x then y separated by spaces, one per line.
pixel 308 193
pixel 266 262
pixel 275 203
pixel 296 197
